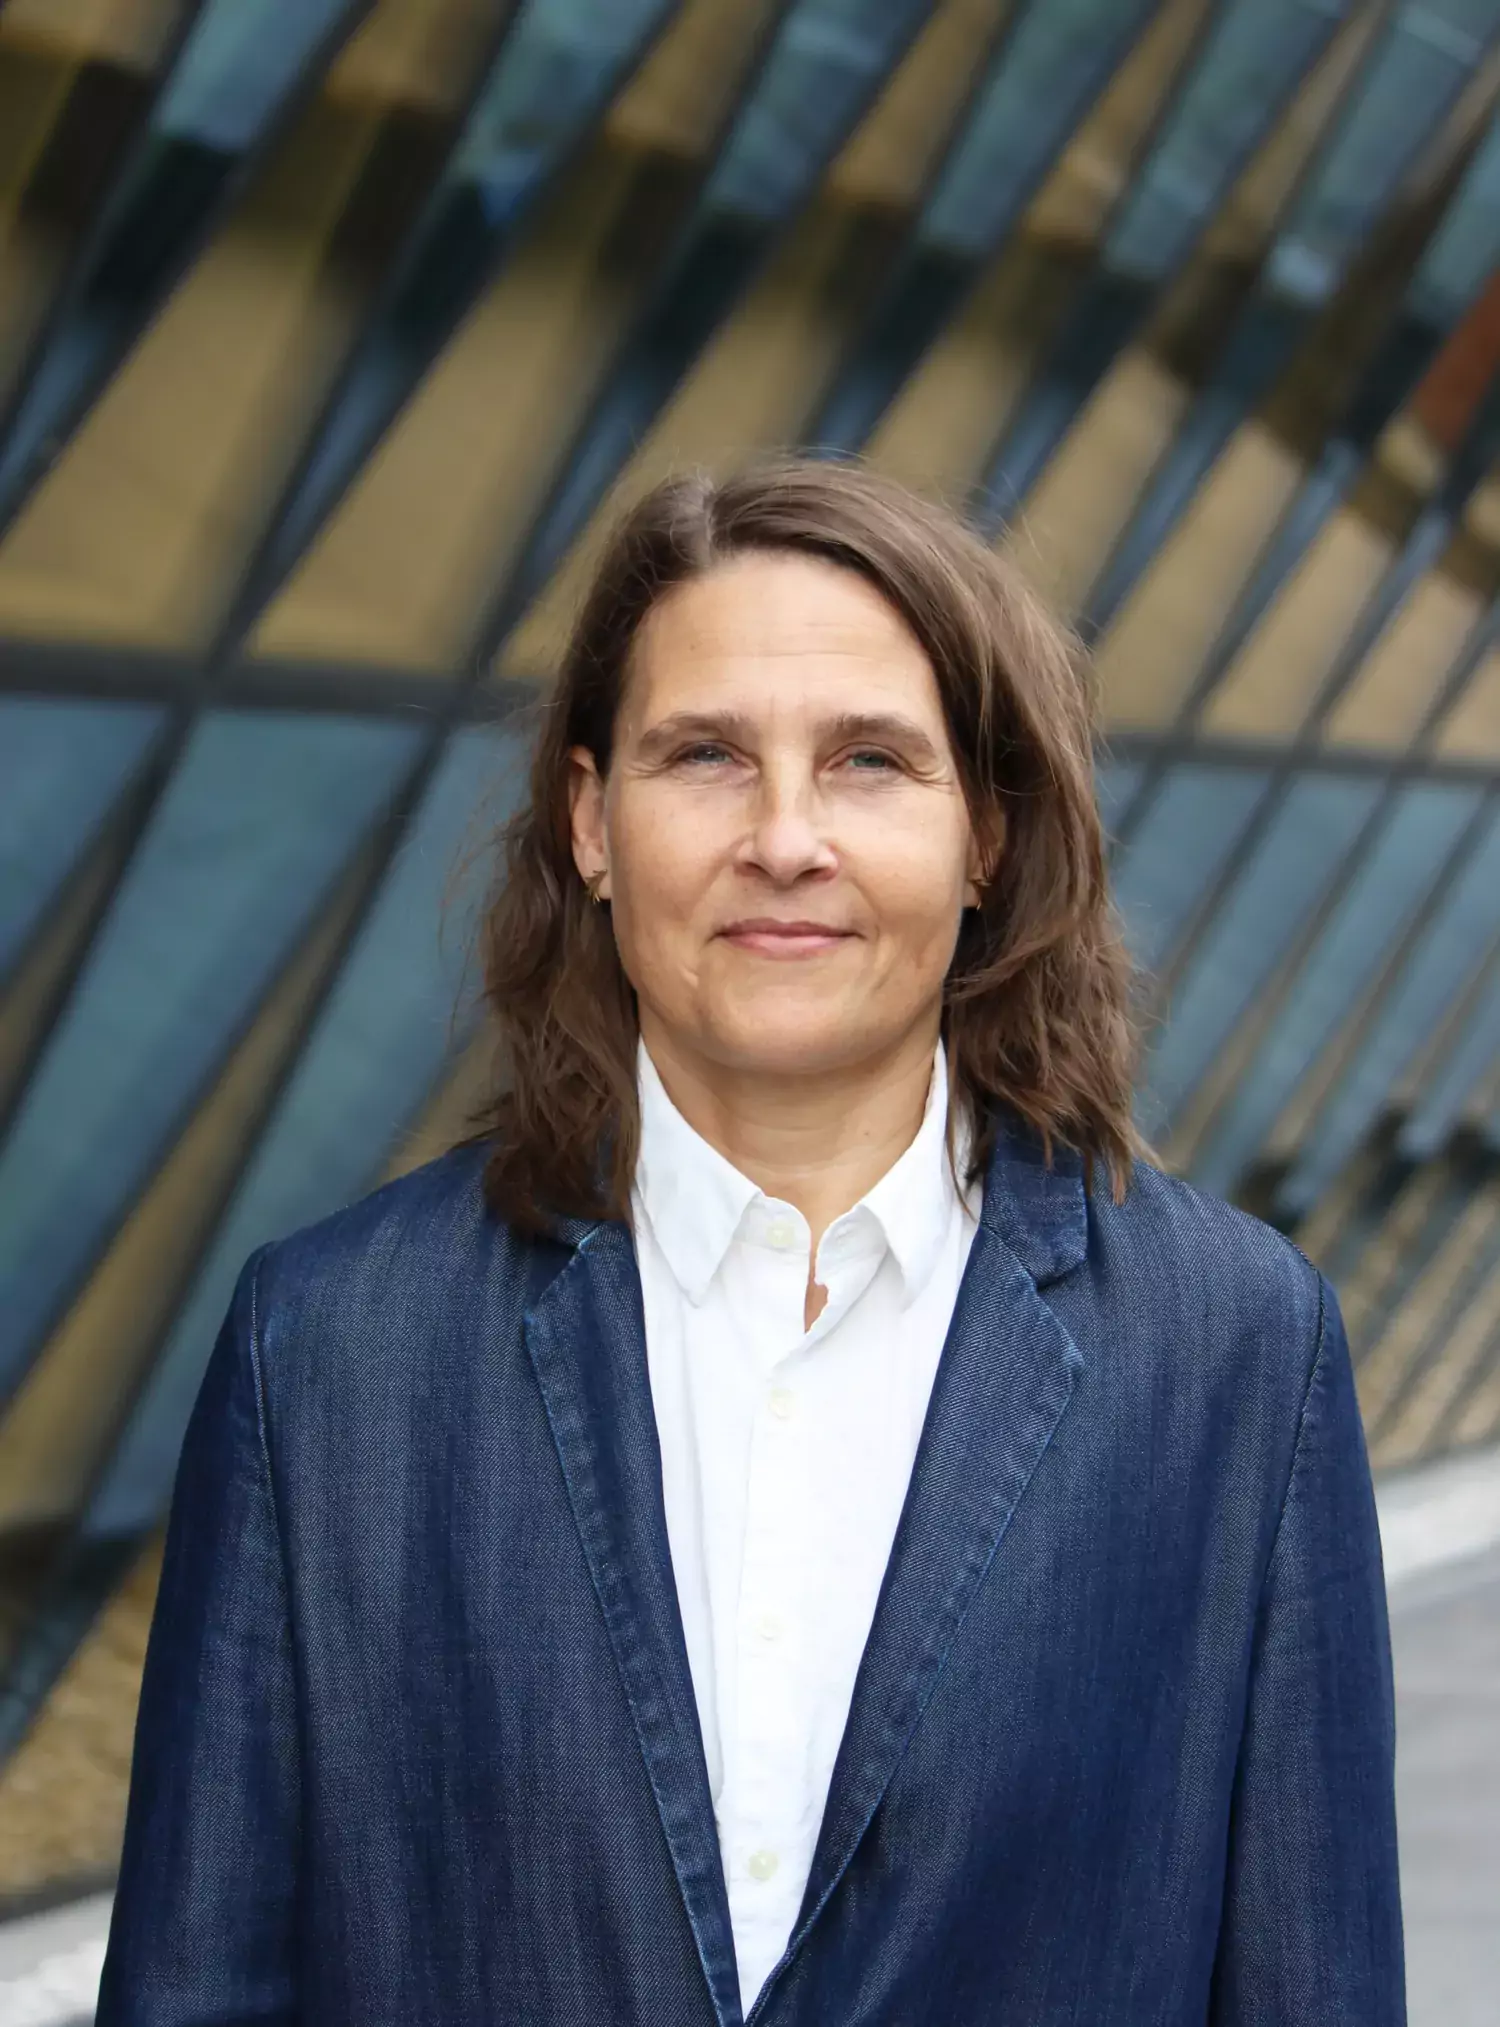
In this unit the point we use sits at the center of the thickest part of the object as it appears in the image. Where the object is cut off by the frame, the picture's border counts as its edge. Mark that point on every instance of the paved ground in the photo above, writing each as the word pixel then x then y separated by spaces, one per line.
pixel 1447 1648
pixel 1441 1531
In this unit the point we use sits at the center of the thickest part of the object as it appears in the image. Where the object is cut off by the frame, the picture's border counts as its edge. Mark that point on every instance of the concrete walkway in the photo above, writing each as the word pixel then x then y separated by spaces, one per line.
pixel 1440 1528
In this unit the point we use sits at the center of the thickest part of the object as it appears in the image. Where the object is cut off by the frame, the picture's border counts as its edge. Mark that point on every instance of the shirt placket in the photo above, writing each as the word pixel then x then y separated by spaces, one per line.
pixel 771 1746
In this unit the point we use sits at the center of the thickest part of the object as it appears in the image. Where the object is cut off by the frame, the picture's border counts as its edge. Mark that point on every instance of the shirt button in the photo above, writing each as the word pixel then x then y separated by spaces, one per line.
pixel 762 1864
pixel 782 1234
pixel 783 1401
pixel 768 1626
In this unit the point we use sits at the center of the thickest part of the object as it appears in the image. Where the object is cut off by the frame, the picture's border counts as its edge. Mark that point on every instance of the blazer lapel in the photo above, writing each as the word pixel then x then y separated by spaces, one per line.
pixel 1003 1383
pixel 587 1340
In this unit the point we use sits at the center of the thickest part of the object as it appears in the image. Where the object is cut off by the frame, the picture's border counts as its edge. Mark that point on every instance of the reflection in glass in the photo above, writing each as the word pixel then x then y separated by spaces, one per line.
pixel 1254 59
pixel 1466 1066
pixel 62 769
pixel 1252 931
pixel 374 1054
pixel 237 75
pixel 1174 857
pixel 825 66
pixel 1047 72
pixel 259 819
pixel 1407 87
pixel 1394 876
pixel 558 68
pixel 1457 940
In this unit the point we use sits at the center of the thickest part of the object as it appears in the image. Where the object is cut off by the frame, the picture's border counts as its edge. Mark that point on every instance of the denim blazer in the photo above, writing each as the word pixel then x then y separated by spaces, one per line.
pixel 417 1743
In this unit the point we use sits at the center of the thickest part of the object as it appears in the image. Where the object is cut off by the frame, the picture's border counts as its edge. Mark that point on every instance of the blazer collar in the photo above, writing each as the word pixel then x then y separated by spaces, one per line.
pixel 1004 1381
pixel 1039 1214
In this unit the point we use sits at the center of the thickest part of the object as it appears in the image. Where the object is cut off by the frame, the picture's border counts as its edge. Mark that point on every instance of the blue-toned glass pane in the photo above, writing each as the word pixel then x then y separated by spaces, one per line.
pixel 561 59
pixel 1115 782
pixel 1254 60
pixel 375 1052
pixel 1442 961
pixel 260 818
pixel 238 70
pixel 62 767
pixel 1178 851
pixel 237 66
pixel 1051 68
pixel 1466 245
pixel 826 64
pixel 1257 925
pixel 1396 876
pixel 1254 56
pixel 1457 1077
pixel 1401 98
pixel 560 62
pixel 1417 71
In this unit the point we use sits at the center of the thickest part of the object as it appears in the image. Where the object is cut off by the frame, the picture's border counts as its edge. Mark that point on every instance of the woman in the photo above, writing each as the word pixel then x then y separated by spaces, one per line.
pixel 798 1518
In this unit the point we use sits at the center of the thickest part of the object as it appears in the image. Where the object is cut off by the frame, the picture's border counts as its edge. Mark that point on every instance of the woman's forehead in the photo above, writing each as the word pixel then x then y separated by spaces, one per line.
pixel 780 632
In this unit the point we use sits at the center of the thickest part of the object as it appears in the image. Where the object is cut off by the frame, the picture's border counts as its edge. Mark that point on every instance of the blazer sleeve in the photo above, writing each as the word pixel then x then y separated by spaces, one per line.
pixel 1311 1933
pixel 203 1927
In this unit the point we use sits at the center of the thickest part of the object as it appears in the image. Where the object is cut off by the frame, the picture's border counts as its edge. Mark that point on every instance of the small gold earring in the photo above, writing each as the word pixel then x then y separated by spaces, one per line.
pixel 594 882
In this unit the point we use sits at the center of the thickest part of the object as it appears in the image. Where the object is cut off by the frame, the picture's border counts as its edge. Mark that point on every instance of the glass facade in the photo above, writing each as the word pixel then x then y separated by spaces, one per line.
pixel 331 335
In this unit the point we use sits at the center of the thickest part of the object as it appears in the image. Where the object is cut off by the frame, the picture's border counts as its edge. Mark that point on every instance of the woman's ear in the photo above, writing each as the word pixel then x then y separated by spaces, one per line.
pixel 986 845
pixel 586 810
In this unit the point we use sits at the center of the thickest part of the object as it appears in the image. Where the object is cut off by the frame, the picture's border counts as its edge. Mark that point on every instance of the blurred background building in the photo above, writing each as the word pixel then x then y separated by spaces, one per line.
pixel 329 334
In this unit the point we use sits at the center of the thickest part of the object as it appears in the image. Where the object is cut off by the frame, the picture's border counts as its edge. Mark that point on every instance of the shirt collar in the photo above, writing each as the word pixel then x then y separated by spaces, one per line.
pixel 696 1200
pixel 693 1198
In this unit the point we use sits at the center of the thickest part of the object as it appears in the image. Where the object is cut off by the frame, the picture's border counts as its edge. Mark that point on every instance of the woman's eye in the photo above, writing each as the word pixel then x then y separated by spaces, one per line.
pixel 867 760
pixel 705 753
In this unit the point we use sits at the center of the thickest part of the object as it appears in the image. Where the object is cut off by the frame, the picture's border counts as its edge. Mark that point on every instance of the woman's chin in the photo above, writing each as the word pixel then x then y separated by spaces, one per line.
pixel 757 1045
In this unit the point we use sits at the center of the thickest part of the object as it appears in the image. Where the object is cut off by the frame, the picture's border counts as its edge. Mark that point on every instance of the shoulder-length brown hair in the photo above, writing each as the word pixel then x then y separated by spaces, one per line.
pixel 1036 1016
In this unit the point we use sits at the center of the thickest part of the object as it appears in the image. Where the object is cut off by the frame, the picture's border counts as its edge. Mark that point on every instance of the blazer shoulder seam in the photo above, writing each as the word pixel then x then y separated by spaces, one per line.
pixel 1314 1371
pixel 262 1431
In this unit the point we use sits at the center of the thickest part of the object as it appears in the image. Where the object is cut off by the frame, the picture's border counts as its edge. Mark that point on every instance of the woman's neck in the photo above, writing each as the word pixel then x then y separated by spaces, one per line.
pixel 818 1141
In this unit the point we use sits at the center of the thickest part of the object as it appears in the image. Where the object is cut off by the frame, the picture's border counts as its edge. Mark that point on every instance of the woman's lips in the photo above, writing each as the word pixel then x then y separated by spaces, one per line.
pixel 784 939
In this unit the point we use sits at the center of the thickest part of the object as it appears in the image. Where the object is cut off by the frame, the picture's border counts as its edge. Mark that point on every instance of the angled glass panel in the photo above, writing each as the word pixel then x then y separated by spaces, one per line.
pixel 1048 71
pixel 1115 783
pixel 1407 87
pixel 1231 98
pixel 1398 867
pixel 237 74
pixel 258 820
pixel 75 95
pixel 1057 60
pixel 1455 267
pixel 1257 925
pixel 1457 1078
pixel 62 768
pixel 826 64
pixel 1443 960
pixel 370 1061
pixel 1178 851
pixel 559 67
pixel 1430 533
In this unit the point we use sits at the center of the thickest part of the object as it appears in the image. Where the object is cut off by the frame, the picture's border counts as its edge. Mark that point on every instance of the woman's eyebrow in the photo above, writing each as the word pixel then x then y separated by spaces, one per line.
pixel 888 726
pixel 694 725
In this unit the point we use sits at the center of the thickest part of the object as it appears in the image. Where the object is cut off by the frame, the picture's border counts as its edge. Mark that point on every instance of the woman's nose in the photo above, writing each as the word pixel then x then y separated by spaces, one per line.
pixel 788 837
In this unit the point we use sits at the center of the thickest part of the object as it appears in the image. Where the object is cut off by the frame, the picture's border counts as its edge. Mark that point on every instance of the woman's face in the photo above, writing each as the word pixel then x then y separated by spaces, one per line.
pixel 782 834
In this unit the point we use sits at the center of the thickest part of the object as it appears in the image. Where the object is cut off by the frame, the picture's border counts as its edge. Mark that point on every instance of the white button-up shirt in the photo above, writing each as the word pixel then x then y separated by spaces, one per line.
pixel 786 1454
